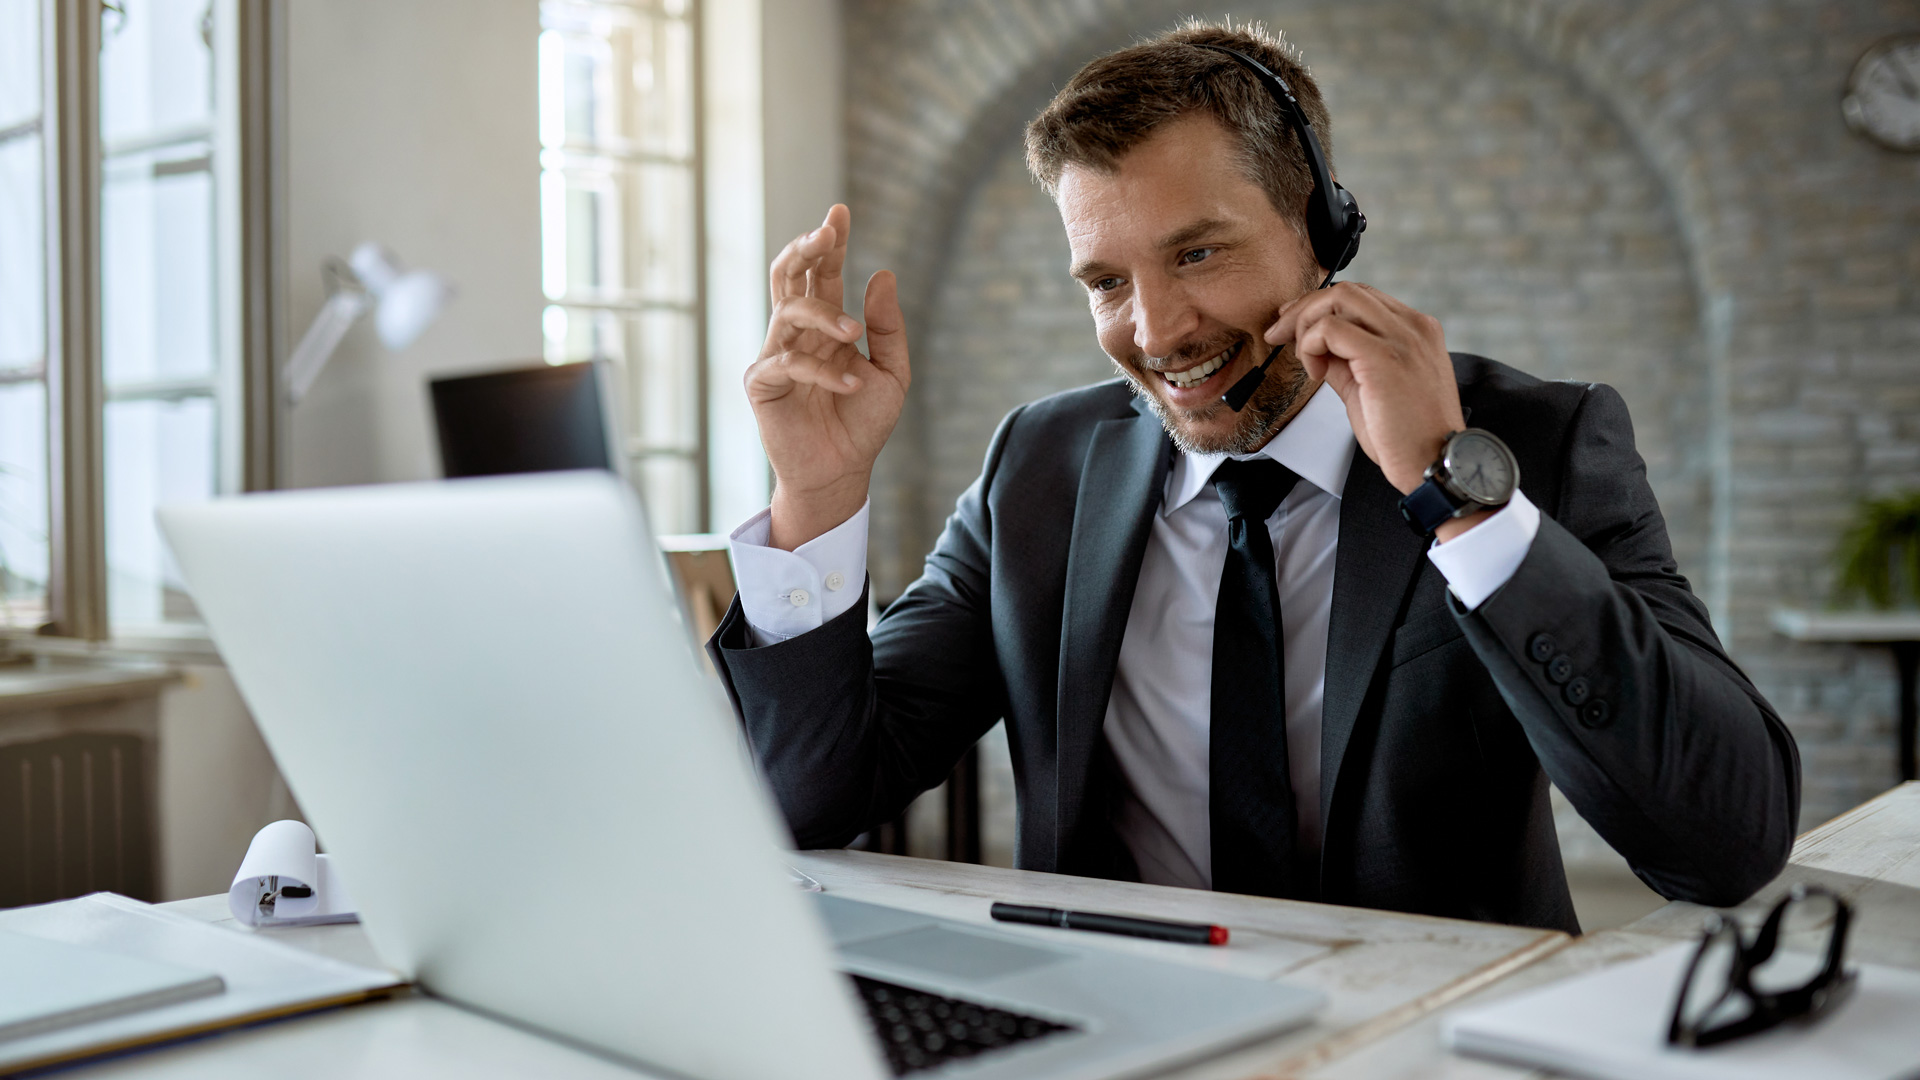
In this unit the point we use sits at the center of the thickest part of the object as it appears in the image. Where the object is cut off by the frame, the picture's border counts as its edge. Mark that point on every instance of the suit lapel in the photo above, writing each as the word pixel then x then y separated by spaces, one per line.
pixel 1121 486
pixel 1373 566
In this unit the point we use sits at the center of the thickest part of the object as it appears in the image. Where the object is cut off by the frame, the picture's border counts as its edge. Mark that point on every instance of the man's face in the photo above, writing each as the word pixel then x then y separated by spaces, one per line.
pixel 1186 264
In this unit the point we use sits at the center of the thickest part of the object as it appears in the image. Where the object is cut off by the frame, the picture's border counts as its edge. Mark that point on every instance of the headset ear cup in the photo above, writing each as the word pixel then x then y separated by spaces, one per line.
pixel 1348 226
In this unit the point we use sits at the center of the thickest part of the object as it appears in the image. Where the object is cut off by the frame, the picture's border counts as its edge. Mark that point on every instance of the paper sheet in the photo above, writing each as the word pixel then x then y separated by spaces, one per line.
pixel 282 882
pixel 1611 1024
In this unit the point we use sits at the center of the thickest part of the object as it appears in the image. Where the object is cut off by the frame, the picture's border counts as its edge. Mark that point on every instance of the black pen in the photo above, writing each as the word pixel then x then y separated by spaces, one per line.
pixel 1184 932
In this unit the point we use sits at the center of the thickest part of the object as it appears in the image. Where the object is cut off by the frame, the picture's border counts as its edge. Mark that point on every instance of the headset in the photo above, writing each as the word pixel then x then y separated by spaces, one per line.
pixel 1334 220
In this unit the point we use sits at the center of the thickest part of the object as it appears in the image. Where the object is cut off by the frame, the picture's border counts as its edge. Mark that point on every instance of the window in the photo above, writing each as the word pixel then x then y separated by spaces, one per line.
pixel 121 375
pixel 620 229
pixel 161 361
pixel 24 550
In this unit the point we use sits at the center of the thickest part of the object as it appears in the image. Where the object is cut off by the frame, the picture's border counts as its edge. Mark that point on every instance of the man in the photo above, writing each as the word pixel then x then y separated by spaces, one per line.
pixel 1224 659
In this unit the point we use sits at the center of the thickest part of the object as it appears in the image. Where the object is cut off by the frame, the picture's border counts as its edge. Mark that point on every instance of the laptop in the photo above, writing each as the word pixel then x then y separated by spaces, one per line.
pixel 483 696
pixel 542 418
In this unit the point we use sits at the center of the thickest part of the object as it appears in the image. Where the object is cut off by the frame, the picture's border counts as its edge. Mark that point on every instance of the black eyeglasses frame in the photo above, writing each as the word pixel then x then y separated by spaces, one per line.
pixel 1818 997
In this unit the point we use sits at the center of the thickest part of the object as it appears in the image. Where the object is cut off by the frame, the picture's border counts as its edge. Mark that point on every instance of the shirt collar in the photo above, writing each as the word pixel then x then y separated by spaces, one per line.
pixel 1317 445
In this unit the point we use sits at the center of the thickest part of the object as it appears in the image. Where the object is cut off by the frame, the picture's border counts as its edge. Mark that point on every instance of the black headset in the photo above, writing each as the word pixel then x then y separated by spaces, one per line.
pixel 1334 220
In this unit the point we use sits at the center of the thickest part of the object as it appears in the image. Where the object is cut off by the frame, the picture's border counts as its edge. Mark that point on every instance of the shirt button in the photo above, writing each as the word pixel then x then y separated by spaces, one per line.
pixel 835 580
pixel 1540 648
pixel 1576 692
pixel 798 598
pixel 1560 668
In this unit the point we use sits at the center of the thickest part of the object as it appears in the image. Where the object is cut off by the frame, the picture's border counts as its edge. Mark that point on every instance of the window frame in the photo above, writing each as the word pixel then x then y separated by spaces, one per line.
pixel 566 161
pixel 251 33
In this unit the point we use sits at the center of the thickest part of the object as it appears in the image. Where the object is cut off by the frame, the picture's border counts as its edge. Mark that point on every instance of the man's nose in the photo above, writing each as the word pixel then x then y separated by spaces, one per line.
pixel 1163 319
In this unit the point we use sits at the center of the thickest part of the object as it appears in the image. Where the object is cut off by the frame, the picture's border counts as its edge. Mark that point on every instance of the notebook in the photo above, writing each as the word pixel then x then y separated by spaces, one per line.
pixel 47 985
pixel 1611 1024
pixel 262 978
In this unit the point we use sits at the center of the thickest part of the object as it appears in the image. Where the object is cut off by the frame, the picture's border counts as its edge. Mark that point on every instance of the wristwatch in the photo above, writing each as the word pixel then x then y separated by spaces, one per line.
pixel 1475 472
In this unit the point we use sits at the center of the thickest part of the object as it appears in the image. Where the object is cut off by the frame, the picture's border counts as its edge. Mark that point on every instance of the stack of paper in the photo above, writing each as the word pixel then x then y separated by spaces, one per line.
pixel 1612 1025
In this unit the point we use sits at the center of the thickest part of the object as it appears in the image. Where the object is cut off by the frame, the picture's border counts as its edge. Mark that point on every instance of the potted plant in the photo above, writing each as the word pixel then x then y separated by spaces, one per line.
pixel 1879 555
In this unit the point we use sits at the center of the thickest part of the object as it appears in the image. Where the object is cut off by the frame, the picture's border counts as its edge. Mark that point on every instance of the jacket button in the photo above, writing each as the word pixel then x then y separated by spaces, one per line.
pixel 1596 713
pixel 1560 668
pixel 1540 648
pixel 1576 692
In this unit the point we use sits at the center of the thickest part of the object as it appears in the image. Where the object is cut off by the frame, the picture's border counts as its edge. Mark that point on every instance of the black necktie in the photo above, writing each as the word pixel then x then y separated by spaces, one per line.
pixel 1251 792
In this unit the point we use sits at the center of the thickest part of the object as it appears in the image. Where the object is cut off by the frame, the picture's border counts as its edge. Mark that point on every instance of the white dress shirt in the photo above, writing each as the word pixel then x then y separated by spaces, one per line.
pixel 1158 718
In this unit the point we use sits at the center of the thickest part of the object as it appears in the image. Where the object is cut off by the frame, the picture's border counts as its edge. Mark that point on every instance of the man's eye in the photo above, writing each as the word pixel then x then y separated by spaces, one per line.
pixel 1188 258
pixel 1105 284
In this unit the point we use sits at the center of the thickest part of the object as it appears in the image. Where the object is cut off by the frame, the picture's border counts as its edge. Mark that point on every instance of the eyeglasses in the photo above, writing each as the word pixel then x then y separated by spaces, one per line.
pixel 1736 987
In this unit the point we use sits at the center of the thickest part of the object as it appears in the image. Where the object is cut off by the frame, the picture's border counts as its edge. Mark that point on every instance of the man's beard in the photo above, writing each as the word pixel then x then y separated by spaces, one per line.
pixel 1265 411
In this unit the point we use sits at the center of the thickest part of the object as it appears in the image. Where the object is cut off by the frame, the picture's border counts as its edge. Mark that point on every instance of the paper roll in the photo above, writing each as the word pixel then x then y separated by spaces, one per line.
pixel 282 882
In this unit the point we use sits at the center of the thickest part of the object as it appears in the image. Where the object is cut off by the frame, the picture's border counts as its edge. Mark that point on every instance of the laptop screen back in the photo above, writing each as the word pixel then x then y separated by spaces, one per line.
pixel 483 699
pixel 539 419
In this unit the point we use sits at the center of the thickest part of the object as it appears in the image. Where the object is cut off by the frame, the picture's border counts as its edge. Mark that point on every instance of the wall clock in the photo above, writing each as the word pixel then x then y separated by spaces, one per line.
pixel 1882 100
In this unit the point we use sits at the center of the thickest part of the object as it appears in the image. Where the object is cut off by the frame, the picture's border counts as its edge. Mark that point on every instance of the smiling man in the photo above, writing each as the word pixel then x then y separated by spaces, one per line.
pixel 1224 658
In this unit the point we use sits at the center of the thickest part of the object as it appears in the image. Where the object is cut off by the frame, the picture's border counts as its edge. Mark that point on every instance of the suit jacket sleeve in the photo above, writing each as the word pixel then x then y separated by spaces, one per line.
pixel 849 728
pixel 1682 766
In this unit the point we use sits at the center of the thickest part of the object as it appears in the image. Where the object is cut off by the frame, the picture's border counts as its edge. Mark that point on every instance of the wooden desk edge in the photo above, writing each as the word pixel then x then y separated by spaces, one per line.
pixel 1427 1004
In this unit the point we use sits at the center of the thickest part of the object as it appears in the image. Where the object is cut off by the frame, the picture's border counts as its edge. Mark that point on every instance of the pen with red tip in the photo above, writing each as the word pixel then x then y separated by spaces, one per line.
pixel 1127 925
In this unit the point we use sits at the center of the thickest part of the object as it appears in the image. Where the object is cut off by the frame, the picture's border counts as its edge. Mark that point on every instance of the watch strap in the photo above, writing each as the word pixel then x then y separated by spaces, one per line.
pixel 1427 507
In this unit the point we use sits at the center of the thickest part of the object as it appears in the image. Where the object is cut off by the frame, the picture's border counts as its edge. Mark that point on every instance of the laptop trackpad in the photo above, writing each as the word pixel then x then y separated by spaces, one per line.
pixel 955 953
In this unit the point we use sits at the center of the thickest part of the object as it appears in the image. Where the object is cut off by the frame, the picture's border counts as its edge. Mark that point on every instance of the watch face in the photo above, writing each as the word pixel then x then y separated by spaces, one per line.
pixel 1480 467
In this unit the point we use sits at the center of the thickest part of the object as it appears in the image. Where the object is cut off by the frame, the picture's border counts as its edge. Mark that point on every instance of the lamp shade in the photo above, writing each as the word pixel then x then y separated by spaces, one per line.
pixel 409 300
pixel 404 302
pixel 408 305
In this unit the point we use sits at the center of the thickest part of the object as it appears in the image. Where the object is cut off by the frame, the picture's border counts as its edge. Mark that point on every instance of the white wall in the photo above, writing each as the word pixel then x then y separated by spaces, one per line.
pixel 776 159
pixel 413 124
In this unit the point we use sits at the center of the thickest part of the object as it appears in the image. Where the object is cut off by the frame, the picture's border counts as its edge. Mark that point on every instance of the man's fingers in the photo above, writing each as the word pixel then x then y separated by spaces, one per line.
pixel 886 326
pixel 795 315
pixel 824 276
pixel 1347 302
pixel 776 376
pixel 1336 336
pixel 788 274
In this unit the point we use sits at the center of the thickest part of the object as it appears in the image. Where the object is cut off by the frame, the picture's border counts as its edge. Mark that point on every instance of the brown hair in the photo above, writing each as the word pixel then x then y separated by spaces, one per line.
pixel 1118 100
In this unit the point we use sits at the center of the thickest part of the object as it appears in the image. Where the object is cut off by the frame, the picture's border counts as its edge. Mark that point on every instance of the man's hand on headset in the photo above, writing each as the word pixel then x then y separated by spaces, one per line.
pixel 1389 364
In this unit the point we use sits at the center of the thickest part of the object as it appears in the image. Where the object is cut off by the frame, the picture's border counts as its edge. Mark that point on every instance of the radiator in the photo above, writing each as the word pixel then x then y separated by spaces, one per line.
pixel 75 818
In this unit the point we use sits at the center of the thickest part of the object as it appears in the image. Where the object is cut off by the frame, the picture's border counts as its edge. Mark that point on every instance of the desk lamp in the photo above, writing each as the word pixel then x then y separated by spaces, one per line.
pixel 405 301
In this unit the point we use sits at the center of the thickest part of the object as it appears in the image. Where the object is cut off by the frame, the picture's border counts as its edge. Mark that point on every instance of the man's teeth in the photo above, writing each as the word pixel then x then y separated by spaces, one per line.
pixel 1196 375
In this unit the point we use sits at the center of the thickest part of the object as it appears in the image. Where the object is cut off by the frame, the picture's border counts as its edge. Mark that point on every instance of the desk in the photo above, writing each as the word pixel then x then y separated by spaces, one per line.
pixel 1869 855
pixel 1381 970
pixel 1389 976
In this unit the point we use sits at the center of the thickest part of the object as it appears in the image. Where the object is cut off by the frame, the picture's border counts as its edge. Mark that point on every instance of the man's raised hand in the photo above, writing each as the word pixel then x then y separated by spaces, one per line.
pixel 824 408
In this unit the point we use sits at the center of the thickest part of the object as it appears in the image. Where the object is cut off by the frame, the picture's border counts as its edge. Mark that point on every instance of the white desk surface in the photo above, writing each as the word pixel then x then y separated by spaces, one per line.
pixel 1388 975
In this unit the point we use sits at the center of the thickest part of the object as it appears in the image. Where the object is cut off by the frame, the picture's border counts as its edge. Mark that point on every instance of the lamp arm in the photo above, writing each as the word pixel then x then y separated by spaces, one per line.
pixel 316 347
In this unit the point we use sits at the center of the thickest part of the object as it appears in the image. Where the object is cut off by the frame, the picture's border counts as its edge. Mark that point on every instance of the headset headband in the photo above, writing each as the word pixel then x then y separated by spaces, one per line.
pixel 1334 221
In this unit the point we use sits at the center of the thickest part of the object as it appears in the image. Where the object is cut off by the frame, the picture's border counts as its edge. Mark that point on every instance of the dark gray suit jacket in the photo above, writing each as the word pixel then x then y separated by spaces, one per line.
pixel 1440 728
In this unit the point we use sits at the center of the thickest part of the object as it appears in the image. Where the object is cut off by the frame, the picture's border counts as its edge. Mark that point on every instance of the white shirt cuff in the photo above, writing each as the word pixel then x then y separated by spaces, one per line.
pixel 786 593
pixel 1477 562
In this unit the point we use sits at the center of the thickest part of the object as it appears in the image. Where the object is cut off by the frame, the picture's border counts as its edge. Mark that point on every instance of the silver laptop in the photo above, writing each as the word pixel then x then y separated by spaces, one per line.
pixel 483 697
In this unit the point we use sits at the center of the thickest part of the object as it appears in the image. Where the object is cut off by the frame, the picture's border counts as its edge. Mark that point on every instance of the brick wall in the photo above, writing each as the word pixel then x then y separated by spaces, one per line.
pixel 1655 194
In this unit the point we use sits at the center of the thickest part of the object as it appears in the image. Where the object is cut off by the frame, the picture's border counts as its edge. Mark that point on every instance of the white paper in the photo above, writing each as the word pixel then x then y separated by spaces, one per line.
pixel 282 859
pixel 1612 1025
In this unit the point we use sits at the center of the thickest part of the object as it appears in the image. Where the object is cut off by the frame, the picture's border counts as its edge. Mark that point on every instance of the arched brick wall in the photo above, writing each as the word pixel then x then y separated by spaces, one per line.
pixel 1792 254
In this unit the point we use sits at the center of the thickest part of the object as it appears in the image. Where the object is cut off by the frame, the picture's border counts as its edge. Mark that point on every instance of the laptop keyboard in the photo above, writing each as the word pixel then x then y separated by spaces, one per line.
pixel 919 1030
